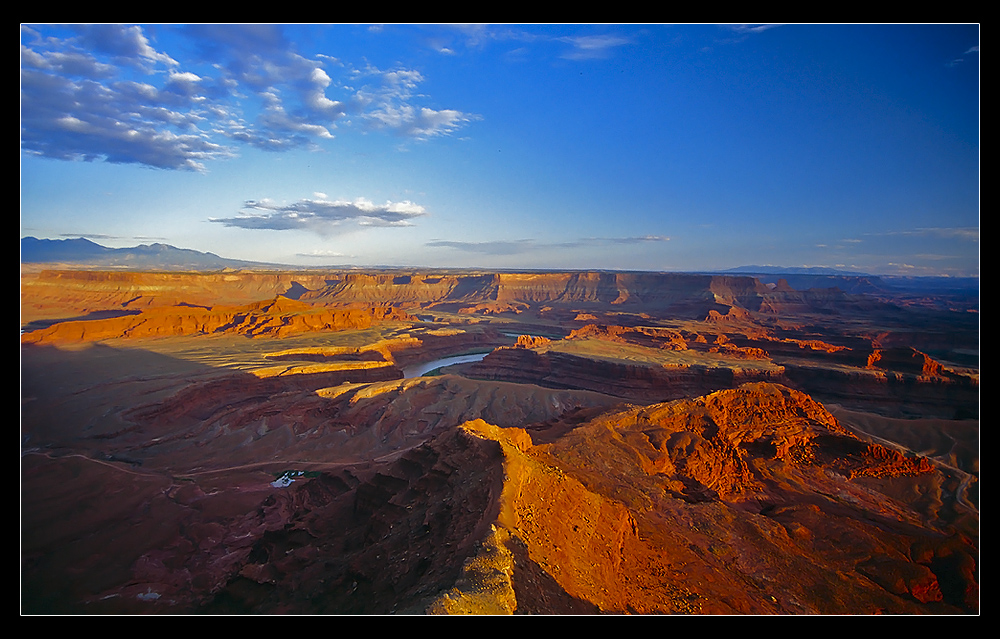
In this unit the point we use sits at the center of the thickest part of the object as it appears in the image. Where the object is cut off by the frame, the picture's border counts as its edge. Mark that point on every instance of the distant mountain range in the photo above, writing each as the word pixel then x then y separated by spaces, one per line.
pixel 81 251
pixel 805 277
pixel 793 270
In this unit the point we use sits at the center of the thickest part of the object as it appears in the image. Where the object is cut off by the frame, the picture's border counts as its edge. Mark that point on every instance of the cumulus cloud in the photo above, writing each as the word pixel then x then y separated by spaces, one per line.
pixel 126 44
pixel 412 122
pixel 323 216
pixel 83 120
pixel 384 101
pixel 109 93
pixel 75 106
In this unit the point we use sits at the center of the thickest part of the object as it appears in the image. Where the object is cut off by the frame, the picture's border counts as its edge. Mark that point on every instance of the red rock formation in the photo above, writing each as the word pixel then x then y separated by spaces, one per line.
pixel 634 381
pixel 806 344
pixel 276 318
pixel 890 393
pixel 725 347
pixel 494 308
pixel 532 341
pixel 406 290
pixel 641 335
pixel 752 500
pixel 606 333
pixel 457 495
pixel 743 448
pixel 905 360
pixel 884 462
pixel 682 292
pixel 874 359
pixel 734 314
pixel 69 293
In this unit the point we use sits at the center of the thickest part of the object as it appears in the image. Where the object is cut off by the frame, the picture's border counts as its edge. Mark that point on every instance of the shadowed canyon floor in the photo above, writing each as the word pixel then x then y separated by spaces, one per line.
pixel 247 443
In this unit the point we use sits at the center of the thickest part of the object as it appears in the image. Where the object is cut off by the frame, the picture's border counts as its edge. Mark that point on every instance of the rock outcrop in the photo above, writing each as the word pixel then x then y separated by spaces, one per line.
pixel 662 449
pixel 69 293
pixel 279 317
pixel 449 495
pixel 634 381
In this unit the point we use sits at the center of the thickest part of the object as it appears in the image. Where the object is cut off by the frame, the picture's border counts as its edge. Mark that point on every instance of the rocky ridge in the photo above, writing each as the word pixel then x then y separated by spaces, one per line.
pixel 634 443
pixel 704 505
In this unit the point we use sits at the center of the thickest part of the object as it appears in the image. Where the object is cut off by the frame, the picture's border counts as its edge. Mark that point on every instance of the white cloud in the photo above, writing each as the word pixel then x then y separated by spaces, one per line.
pixel 72 63
pixel 496 247
pixel 385 102
pixel 107 93
pixel 127 44
pixel 121 123
pixel 970 233
pixel 323 216
pixel 421 123
pixel 635 240
pixel 322 254
pixel 77 107
pixel 517 247
pixel 592 47
pixel 752 28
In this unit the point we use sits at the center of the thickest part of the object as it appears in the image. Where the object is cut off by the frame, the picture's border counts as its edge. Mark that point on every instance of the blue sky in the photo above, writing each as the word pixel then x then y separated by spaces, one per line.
pixel 649 147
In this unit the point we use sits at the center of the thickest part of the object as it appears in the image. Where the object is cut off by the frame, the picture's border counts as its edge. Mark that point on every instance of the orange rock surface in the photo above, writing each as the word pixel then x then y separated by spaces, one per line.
pixel 276 318
pixel 678 454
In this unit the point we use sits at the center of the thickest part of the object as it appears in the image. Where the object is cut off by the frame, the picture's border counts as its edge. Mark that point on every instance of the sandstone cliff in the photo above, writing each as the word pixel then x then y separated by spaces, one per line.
pixel 452 495
pixel 275 318
pixel 662 449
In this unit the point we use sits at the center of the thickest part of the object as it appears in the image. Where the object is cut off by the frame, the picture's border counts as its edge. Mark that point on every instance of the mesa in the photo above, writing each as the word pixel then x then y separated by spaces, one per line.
pixel 486 442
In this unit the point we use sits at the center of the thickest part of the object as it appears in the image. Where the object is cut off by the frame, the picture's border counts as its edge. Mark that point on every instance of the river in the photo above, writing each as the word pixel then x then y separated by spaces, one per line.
pixel 419 370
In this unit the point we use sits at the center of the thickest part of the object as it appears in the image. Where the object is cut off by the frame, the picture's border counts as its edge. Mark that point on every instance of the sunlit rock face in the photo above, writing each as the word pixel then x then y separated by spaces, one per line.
pixel 626 443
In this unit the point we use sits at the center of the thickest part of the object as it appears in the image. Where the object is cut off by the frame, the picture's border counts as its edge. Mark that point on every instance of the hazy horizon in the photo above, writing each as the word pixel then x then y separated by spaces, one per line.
pixel 625 147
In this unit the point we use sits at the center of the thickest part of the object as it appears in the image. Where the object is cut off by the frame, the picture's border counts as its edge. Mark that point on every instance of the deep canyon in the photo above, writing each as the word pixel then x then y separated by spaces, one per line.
pixel 246 442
